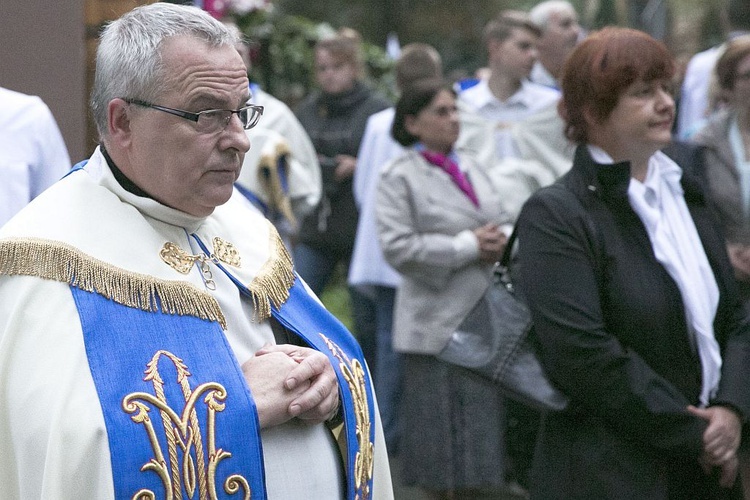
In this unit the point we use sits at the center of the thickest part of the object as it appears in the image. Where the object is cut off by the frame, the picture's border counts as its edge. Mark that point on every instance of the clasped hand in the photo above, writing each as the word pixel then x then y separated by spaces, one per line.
pixel 721 440
pixel 289 381
pixel 491 242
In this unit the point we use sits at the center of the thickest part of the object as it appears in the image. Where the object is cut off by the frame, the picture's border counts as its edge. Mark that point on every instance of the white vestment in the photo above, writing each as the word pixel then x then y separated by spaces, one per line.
pixel 52 433
pixel 528 99
pixel 279 132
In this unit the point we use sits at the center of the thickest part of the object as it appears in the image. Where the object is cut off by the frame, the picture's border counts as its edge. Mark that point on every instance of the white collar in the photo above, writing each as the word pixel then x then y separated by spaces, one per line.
pixel 481 96
pixel 660 168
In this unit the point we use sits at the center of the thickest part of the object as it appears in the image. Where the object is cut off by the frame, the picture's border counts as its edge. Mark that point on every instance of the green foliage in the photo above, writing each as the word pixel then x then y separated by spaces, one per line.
pixel 282 54
pixel 335 297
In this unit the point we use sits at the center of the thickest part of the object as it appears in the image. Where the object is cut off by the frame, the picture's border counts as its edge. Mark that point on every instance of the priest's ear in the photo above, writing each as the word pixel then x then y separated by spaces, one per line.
pixel 119 115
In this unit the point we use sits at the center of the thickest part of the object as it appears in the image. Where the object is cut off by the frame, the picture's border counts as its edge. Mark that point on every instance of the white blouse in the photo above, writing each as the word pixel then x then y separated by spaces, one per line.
pixel 659 202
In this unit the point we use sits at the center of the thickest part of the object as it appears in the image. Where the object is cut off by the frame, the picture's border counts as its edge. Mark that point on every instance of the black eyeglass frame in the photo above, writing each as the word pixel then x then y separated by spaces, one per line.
pixel 194 117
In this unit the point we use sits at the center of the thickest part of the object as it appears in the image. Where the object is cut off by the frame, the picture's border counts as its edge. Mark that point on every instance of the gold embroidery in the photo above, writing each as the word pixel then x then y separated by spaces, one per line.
pixel 270 286
pixel 226 252
pixel 177 258
pixel 183 435
pixel 57 261
pixel 355 377
pixel 181 261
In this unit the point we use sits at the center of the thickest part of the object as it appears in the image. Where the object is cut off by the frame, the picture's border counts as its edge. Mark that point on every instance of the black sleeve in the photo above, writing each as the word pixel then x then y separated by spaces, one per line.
pixel 559 278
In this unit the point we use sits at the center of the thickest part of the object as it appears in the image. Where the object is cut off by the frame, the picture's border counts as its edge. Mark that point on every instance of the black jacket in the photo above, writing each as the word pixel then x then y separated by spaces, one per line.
pixel 336 124
pixel 613 335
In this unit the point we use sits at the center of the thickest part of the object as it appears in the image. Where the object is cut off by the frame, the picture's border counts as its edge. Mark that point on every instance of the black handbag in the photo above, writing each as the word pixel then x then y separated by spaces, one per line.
pixel 496 340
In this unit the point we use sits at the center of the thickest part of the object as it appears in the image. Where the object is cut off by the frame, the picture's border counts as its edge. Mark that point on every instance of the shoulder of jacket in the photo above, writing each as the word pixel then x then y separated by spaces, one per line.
pixel 714 130
pixel 402 165
pixel 560 192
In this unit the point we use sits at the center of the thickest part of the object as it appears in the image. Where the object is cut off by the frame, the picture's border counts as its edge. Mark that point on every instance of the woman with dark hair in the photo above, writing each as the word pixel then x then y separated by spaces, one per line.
pixel 632 296
pixel 727 139
pixel 438 222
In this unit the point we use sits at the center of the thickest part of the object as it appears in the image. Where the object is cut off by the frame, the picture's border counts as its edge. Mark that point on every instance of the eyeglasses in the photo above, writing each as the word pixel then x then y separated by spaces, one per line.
pixel 210 120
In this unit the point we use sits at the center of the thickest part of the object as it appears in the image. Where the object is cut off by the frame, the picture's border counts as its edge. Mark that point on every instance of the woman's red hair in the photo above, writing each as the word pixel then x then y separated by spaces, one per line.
pixel 599 70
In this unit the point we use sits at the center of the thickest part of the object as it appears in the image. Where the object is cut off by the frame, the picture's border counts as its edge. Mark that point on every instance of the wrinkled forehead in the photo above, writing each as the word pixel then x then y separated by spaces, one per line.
pixel 182 50
pixel 190 63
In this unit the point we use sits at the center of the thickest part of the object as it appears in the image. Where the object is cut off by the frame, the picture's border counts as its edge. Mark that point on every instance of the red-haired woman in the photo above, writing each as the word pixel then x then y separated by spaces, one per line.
pixel 632 296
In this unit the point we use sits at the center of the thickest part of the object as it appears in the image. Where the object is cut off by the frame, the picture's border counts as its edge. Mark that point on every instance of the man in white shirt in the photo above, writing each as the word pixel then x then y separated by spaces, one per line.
pixel 505 99
pixel 32 151
pixel 558 21
pixel 507 95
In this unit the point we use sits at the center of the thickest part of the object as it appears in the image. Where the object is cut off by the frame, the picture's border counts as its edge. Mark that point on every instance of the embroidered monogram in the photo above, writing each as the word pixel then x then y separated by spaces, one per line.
pixel 189 465
pixel 355 378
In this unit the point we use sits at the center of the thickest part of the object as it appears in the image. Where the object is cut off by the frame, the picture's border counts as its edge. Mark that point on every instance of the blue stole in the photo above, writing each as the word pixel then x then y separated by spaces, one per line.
pixel 177 409
pixel 303 315
pixel 180 419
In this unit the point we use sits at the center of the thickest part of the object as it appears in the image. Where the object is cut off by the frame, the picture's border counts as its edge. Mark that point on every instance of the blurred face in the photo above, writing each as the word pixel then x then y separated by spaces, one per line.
pixel 639 125
pixel 166 156
pixel 437 125
pixel 739 96
pixel 561 34
pixel 333 75
pixel 515 56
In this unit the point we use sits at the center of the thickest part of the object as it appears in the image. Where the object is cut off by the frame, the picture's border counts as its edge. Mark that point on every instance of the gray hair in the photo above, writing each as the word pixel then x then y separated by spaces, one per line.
pixel 128 59
pixel 541 12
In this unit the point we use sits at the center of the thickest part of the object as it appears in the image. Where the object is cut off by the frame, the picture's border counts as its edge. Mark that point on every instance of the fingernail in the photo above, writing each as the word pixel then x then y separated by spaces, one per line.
pixel 291 383
pixel 294 410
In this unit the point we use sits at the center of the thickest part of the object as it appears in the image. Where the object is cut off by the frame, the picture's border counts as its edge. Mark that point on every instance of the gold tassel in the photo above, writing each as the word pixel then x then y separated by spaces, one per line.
pixel 274 278
pixel 57 261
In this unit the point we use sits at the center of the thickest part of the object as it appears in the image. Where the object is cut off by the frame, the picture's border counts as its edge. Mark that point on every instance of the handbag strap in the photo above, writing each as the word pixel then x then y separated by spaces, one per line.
pixel 508 251
pixel 502 267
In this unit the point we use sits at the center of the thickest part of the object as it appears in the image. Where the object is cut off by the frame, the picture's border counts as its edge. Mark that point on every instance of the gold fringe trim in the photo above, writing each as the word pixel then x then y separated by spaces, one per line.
pixel 57 261
pixel 268 176
pixel 274 279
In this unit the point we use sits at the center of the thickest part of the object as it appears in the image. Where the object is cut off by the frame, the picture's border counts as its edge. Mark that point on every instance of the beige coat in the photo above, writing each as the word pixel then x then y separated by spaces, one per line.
pixel 723 177
pixel 424 226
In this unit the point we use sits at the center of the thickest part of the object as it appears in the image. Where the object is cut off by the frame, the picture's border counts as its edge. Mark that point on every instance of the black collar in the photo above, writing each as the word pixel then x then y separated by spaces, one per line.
pixel 122 179
pixel 612 180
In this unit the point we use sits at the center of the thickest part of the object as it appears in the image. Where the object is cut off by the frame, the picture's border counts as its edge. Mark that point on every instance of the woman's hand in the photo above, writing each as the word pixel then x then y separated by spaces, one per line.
pixel 491 242
pixel 739 256
pixel 345 165
pixel 721 440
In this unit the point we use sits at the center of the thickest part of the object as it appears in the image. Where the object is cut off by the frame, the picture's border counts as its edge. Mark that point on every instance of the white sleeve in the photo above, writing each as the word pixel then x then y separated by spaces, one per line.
pixel 53 161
